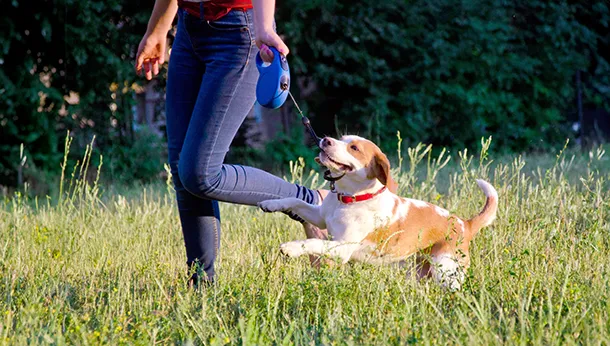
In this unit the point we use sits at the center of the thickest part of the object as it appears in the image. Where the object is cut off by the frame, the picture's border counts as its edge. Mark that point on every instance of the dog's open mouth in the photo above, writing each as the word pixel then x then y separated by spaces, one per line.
pixel 329 162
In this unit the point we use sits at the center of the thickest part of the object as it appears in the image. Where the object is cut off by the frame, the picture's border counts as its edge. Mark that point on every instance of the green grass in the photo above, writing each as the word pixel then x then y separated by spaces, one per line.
pixel 108 268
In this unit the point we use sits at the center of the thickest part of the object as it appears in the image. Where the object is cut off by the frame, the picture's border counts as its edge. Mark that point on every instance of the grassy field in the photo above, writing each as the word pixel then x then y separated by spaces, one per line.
pixel 107 266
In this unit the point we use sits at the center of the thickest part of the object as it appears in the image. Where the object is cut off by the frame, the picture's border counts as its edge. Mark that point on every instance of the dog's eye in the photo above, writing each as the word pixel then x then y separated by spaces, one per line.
pixel 355 148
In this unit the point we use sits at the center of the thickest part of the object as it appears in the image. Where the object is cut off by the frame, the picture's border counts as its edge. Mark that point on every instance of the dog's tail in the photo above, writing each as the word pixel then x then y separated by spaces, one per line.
pixel 488 214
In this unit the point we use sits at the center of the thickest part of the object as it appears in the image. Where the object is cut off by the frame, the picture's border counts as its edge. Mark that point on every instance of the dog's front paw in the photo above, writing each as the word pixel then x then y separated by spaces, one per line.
pixel 272 205
pixel 292 249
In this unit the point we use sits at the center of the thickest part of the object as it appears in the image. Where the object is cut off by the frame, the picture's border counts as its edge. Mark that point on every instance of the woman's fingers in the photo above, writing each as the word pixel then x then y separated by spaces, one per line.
pixel 155 67
pixel 139 63
pixel 148 69
pixel 266 53
pixel 162 52
pixel 274 40
pixel 150 55
pixel 271 39
pixel 281 46
pixel 141 55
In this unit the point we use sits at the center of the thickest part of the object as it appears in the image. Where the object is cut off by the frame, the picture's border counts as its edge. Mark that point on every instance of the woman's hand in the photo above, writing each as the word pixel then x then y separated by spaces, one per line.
pixel 151 51
pixel 266 39
pixel 265 35
pixel 151 54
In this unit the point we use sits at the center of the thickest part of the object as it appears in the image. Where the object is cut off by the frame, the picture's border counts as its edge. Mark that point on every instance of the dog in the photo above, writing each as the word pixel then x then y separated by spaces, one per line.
pixel 368 222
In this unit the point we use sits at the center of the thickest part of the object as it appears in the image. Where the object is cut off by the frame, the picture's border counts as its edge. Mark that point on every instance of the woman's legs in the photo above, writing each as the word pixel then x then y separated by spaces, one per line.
pixel 200 219
pixel 210 90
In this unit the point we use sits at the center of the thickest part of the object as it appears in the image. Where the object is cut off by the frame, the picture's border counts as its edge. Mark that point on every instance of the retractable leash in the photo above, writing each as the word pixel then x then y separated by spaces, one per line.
pixel 272 89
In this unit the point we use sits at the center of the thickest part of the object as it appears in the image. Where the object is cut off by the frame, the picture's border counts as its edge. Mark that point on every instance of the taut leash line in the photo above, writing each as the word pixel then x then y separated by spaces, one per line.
pixel 304 119
pixel 272 88
pixel 327 174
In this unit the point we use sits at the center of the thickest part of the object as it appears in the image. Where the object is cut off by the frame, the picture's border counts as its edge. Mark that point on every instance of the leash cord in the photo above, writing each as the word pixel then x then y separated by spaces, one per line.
pixel 306 121
pixel 327 174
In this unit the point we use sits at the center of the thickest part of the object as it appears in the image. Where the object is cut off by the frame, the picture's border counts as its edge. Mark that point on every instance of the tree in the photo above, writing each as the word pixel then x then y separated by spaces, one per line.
pixel 447 72
pixel 66 65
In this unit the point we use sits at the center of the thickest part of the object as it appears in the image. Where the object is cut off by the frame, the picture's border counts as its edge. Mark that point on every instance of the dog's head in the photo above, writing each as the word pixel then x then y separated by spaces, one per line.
pixel 358 158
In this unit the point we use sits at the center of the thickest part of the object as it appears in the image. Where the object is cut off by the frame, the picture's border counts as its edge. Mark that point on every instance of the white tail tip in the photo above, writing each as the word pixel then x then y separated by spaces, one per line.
pixel 488 190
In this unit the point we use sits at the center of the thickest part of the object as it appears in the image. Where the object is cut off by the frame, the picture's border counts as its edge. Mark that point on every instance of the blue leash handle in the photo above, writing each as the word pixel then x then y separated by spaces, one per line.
pixel 273 86
pixel 273 80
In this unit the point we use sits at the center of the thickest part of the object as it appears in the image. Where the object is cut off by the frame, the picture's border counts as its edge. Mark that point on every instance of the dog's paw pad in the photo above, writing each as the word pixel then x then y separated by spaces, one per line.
pixel 291 249
pixel 270 206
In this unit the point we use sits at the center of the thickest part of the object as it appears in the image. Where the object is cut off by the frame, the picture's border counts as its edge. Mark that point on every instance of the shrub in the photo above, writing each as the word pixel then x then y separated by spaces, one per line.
pixel 448 72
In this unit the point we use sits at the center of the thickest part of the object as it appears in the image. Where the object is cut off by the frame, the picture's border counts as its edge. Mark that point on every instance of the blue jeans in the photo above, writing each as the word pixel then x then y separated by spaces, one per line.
pixel 211 87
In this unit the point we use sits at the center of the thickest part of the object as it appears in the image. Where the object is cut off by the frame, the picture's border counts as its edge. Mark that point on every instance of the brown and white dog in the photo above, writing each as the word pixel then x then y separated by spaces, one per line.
pixel 368 222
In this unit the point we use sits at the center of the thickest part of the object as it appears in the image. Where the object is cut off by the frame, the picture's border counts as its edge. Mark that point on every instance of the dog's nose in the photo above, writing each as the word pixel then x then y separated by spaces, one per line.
pixel 327 142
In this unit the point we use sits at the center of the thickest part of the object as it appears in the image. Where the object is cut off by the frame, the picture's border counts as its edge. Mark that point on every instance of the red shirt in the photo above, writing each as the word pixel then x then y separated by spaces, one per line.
pixel 214 9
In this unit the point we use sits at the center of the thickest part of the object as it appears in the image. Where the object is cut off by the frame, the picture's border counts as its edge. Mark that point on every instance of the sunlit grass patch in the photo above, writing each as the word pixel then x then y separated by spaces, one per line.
pixel 93 267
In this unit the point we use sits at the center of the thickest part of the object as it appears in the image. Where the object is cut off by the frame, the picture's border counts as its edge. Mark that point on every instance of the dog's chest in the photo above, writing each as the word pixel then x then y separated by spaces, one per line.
pixel 352 222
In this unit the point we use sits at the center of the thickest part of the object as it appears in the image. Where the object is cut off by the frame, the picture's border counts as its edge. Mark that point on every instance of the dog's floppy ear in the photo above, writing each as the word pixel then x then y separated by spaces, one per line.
pixel 381 170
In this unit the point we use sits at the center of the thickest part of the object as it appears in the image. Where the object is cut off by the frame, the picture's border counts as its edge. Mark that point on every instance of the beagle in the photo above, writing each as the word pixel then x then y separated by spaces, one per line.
pixel 368 222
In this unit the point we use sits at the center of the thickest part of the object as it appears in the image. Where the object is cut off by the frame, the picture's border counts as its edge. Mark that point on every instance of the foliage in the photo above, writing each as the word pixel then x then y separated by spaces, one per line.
pixel 141 161
pixel 447 72
pixel 441 72
pixel 288 147
pixel 110 270
pixel 66 65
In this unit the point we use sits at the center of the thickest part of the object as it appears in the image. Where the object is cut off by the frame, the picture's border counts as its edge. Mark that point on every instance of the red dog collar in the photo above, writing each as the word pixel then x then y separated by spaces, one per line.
pixel 347 199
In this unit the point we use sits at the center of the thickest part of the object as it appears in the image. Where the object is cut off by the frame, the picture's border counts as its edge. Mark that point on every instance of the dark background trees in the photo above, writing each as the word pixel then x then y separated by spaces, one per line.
pixel 441 72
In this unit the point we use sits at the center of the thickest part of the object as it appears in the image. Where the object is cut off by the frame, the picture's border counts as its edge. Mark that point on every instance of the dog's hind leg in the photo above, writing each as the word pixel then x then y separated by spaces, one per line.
pixel 447 271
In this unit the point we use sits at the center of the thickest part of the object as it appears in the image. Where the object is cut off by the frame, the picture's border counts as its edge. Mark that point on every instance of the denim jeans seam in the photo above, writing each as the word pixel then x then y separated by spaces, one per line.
pixel 211 25
pixel 216 241
pixel 241 77
pixel 249 36
pixel 254 193
pixel 207 164
pixel 188 36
